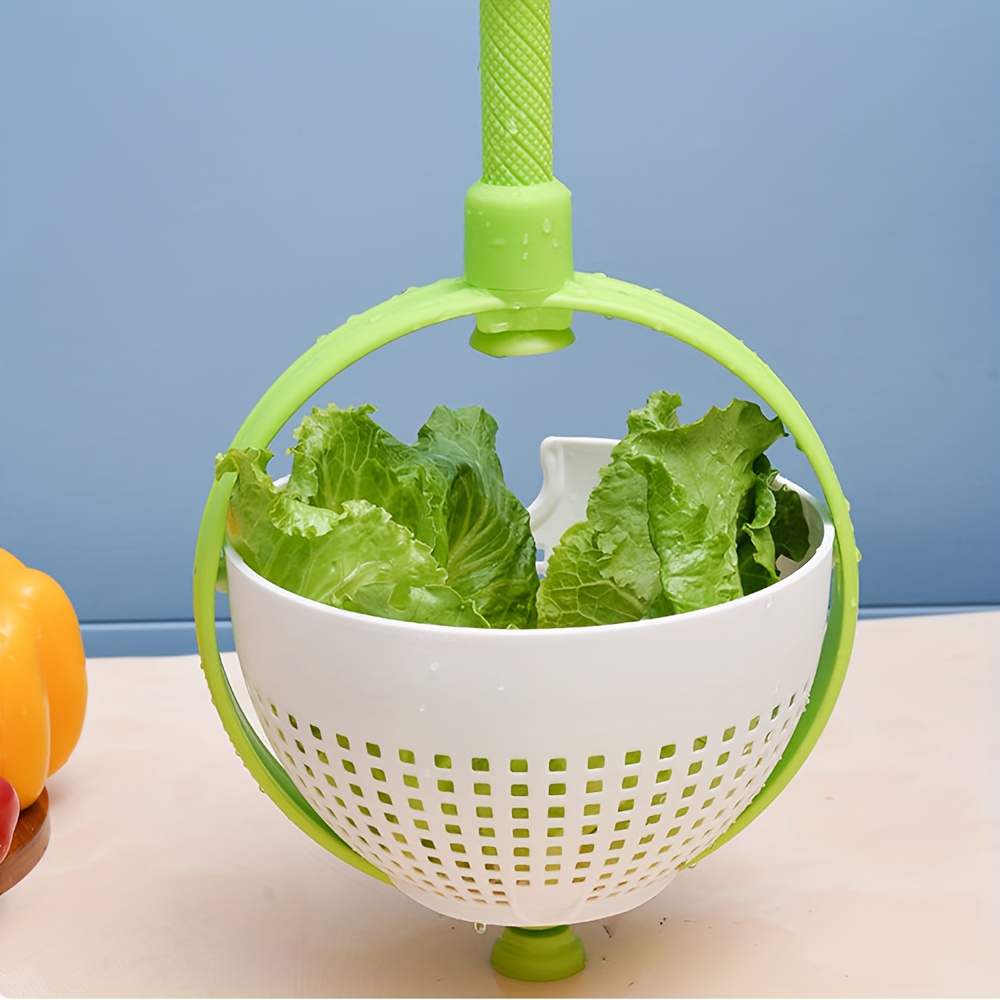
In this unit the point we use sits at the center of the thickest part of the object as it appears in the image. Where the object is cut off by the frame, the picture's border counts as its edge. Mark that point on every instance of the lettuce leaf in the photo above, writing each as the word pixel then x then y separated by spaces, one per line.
pixel 755 549
pixel 425 533
pixel 490 557
pixel 605 570
pixel 344 455
pixel 680 520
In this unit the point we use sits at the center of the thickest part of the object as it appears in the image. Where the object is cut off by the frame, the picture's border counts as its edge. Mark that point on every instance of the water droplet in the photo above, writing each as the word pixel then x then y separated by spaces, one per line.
pixel 524 256
pixel 524 239
pixel 499 242
pixel 435 665
pixel 555 243
pixel 546 226
pixel 859 555
pixel 479 928
pixel 770 603
pixel 500 688
pixel 421 708
pixel 512 126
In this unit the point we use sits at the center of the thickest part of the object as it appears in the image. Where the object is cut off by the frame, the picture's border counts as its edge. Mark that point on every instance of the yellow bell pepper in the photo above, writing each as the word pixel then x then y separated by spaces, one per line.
pixel 43 680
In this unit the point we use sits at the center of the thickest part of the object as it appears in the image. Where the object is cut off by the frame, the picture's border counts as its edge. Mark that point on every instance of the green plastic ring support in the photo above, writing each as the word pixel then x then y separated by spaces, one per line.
pixel 452 299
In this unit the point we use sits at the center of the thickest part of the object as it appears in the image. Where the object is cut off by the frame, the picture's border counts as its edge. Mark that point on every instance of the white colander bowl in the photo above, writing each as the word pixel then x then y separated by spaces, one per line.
pixel 536 777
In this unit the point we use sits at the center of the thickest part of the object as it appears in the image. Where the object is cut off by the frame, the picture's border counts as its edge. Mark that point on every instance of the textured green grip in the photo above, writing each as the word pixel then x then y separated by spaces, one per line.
pixel 516 67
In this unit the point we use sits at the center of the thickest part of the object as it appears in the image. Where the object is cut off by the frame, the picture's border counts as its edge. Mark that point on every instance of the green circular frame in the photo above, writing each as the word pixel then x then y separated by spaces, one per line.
pixel 454 298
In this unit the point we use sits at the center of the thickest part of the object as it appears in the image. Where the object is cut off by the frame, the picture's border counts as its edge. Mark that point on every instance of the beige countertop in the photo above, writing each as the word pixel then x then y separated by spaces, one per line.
pixel 875 874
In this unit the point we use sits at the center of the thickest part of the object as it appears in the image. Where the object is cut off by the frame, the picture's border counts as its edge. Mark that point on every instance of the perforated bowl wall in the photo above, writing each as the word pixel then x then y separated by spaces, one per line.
pixel 537 777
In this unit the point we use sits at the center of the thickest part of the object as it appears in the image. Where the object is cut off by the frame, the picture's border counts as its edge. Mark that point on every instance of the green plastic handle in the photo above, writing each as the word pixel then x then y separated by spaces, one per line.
pixel 515 64
pixel 452 299
pixel 518 226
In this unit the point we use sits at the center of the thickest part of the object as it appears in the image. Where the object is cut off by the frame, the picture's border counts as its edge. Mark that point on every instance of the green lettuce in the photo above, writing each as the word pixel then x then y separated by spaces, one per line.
pixel 426 532
pixel 685 516
pixel 682 519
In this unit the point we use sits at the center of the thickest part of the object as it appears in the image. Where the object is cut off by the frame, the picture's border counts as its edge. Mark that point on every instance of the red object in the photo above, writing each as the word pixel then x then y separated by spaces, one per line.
pixel 10 808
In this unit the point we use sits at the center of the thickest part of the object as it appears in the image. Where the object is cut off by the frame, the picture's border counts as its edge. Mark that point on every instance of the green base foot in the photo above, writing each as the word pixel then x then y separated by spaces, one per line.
pixel 538 955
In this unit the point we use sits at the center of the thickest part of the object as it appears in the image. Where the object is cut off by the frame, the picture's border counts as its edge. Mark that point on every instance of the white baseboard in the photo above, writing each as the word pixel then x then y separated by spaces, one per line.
pixel 177 638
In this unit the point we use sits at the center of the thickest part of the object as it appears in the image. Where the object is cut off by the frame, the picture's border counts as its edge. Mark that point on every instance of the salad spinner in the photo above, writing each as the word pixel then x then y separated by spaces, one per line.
pixel 535 778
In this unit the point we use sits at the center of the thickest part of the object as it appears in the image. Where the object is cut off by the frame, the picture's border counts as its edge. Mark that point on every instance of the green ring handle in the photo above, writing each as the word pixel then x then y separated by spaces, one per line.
pixel 452 299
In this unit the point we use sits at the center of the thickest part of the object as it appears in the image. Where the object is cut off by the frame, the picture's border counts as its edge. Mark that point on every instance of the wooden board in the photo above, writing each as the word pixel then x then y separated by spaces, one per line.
pixel 31 837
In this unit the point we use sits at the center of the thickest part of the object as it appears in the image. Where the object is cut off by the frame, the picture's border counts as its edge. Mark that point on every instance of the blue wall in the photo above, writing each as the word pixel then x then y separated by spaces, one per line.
pixel 191 193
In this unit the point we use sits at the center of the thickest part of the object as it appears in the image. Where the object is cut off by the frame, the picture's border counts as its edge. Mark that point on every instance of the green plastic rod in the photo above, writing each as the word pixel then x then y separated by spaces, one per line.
pixel 515 39
pixel 518 228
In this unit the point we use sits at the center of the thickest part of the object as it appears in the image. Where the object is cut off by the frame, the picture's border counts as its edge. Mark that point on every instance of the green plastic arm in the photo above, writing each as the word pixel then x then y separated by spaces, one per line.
pixel 516 66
